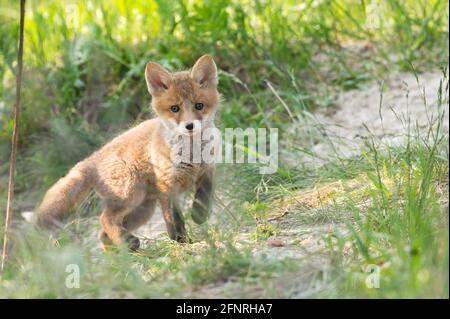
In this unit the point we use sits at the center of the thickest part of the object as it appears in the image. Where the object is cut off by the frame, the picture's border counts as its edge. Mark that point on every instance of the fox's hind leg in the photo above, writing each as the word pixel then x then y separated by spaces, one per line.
pixel 105 242
pixel 113 231
pixel 140 215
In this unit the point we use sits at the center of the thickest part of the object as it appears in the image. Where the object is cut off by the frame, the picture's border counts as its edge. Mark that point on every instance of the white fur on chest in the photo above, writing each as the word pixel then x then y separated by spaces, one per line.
pixel 193 149
pixel 187 158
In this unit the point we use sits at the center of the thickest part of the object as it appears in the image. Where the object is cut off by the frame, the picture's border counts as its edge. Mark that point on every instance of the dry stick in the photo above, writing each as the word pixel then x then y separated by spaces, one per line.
pixel 12 163
pixel 281 100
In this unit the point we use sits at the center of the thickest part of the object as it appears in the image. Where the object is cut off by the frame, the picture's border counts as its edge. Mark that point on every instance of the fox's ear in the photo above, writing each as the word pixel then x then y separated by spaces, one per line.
pixel 158 79
pixel 205 71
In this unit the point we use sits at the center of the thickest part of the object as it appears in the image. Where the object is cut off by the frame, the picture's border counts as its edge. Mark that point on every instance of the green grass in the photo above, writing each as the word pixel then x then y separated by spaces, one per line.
pixel 403 230
pixel 84 60
pixel 83 84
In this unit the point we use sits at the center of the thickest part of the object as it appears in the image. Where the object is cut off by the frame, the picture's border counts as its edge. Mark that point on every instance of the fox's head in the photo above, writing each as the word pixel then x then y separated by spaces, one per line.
pixel 186 101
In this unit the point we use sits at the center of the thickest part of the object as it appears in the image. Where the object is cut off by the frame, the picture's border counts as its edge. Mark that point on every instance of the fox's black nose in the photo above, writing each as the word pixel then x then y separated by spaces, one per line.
pixel 190 126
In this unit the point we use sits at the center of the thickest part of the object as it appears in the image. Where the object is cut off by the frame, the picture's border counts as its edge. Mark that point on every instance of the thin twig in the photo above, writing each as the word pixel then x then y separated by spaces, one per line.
pixel 281 100
pixel 12 163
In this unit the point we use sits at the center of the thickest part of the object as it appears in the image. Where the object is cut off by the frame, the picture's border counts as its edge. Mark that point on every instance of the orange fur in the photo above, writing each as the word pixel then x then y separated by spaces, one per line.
pixel 135 171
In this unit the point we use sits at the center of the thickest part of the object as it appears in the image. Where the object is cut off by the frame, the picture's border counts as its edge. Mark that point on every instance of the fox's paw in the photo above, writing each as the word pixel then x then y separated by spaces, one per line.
pixel 105 242
pixel 133 243
pixel 199 214
pixel 179 236
pixel 183 238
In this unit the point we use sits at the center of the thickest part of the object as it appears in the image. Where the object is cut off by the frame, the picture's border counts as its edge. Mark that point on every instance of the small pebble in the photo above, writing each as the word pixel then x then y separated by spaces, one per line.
pixel 276 242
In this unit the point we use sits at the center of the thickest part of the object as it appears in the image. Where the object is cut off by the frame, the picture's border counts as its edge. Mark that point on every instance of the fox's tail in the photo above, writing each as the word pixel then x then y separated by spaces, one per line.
pixel 65 194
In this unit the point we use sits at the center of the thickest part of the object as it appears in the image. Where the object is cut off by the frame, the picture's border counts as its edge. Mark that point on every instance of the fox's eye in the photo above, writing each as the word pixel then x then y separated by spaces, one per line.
pixel 199 106
pixel 175 108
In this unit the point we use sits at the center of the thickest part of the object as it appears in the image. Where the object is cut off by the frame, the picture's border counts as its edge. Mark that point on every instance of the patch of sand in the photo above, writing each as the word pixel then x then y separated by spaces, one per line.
pixel 342 132
pixel 382 113
pixel 355 109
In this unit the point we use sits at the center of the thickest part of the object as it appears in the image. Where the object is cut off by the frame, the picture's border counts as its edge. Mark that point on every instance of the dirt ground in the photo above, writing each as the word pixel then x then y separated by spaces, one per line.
pixel 381 113
pixel 356 111
pixel 303 220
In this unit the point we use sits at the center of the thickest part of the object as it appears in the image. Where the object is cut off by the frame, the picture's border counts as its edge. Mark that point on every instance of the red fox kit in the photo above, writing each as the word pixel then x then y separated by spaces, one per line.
pixel 135 171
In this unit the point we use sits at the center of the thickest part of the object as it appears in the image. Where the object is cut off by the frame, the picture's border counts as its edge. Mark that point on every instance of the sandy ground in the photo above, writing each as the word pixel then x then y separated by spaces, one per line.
pixel 383 114
pixel 339 130
pixel 343 128
pixel 303 221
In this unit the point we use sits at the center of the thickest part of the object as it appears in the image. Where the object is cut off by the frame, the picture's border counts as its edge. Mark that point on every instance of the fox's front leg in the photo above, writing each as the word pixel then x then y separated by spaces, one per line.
pixel 173 219
pixel 203 197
